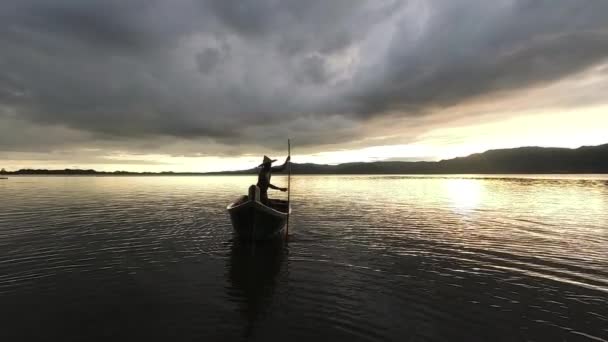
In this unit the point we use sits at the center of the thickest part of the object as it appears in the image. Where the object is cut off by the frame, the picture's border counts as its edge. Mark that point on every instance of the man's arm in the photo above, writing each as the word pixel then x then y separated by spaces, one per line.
pixel 282 167
pixel 276 187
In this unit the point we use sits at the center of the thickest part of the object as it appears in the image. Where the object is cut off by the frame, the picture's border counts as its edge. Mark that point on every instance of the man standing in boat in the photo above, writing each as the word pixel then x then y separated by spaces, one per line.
pixel 264 177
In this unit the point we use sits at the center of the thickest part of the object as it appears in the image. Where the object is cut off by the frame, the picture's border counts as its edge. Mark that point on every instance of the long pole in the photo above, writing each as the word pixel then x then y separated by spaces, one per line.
pixel 288 186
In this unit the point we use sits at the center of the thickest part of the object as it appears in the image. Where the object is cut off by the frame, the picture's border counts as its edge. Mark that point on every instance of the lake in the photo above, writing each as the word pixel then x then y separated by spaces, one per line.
pixel 369 258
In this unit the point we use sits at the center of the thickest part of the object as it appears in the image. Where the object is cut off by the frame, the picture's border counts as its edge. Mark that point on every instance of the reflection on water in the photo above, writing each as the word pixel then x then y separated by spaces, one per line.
pixel 253 271
pixel 464 194
pixel 370 258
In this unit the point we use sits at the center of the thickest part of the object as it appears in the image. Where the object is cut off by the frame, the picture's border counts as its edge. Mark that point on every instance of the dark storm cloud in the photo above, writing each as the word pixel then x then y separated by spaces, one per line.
pixel 256 71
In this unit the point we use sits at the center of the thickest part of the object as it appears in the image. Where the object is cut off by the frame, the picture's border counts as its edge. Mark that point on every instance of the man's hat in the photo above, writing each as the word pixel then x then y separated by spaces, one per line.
pixel 267 161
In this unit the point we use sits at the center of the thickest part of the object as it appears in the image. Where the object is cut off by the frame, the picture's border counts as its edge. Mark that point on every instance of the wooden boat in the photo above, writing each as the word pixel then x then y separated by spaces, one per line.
pixel 252 220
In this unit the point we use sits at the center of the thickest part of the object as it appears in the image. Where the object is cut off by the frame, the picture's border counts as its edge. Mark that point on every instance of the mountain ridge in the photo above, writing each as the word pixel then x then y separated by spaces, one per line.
pixel 520 160
pixel 527 159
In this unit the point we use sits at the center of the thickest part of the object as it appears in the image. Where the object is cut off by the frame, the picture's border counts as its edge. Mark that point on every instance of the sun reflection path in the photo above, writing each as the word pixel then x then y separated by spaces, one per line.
pixel 464 195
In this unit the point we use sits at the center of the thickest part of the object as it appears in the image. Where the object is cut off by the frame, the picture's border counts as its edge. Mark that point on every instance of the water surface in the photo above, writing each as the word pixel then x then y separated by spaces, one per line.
pixel 370 258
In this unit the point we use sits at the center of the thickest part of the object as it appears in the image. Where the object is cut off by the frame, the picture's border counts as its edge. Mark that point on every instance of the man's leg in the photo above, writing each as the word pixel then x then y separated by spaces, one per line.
pixel 264 197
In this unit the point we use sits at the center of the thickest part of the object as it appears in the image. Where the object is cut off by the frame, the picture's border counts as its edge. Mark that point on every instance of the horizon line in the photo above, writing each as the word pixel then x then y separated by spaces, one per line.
pixel 87 170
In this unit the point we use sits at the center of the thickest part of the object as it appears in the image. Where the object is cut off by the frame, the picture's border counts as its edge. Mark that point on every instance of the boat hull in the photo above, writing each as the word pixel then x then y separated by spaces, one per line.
pixel 252 220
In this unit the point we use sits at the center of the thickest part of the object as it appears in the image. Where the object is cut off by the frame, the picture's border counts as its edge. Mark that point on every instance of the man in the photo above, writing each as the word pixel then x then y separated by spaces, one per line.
pixel 264 177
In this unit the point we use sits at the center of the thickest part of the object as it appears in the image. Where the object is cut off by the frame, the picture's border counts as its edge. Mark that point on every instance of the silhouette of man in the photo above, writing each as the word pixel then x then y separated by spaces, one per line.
pixel 264 177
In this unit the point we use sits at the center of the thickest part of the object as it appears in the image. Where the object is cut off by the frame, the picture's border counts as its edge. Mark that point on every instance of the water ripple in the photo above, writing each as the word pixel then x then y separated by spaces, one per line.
pixel 370 258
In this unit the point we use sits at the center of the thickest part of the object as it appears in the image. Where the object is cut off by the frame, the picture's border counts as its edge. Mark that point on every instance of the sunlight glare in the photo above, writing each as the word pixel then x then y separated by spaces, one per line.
pixel 464 194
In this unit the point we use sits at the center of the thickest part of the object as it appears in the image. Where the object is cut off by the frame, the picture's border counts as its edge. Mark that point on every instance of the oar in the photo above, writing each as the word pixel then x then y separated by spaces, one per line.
pixel 288 186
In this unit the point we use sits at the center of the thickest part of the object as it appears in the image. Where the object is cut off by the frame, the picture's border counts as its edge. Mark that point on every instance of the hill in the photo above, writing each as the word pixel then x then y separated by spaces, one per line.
pixel 522 160
pixel 586 159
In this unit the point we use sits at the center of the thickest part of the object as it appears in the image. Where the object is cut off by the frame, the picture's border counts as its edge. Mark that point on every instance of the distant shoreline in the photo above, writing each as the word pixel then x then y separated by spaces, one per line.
pixel 232 174
pixel 516 161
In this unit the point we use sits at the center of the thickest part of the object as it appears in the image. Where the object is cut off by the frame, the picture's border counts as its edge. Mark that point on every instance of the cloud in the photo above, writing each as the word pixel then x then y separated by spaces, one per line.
pixel 221 73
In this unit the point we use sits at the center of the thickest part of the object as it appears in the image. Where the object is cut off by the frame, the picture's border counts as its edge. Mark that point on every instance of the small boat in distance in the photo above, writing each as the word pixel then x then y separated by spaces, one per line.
pixel 3 177
pixel 252 220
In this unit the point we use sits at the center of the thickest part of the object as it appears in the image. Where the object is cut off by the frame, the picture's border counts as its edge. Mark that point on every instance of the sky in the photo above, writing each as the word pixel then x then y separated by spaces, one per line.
pixel 208 85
